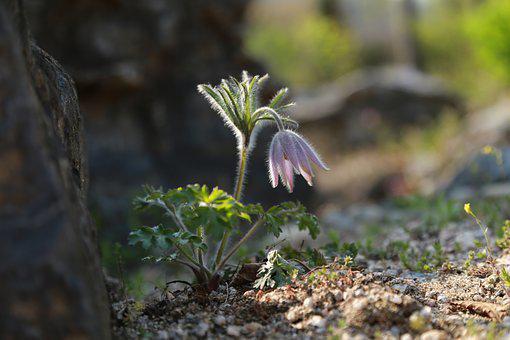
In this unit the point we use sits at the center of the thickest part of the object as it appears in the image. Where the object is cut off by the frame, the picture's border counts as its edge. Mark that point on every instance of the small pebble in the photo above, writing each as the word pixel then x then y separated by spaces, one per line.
pixel 201 329
pixel 392 272
pixel 395 331
pixel 318 321
pixel 249 294
pixel 506 321
pixel 430 294
pixel 430 303
pixel 426 312
pixel 292 315
pixel 359 304
pixel 220 320
pixel 442 298
pixel 396 299
pixel 359 292
pixel 308 303
pixel 434 334
pixel 401 287
pixel 339 295
pixel 234 330
pixel 163 335
pixel 252 327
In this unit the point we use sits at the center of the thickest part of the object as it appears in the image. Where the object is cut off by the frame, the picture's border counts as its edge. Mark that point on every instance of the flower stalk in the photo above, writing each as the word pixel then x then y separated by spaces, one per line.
pixel 239 243
pixel 238 190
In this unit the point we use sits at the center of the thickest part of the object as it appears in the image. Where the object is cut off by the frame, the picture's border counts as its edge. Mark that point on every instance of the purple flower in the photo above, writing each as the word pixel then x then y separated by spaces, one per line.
pixel 289 153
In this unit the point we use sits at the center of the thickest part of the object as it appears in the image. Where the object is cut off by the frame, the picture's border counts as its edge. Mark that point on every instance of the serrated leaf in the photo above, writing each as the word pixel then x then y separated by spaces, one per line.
pixel 275 272
pixel 143 236
pixel 288 212
pixel 311 223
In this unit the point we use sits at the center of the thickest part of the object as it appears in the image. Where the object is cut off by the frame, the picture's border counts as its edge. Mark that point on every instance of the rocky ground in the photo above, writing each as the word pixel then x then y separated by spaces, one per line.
pixel 428 278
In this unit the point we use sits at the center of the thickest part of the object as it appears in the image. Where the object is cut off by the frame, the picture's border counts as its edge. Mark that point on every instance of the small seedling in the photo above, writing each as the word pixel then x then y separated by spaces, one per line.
pixel 275 272
pixel 504 241
pixel 505 276
pixel 469 260
pixel 485 231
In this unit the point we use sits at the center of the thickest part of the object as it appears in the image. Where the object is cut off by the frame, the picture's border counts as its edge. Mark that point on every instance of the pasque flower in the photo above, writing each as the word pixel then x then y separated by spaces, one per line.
pixel 290 153
pixel 237 103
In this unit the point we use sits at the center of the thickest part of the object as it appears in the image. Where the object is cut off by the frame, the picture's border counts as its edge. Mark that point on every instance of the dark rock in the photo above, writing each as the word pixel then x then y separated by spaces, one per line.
pixel 484 169
pixel 246 275
pixel 482 175
pixel 51 284
pixel 137 65
pixel 480 165
pixel 355 108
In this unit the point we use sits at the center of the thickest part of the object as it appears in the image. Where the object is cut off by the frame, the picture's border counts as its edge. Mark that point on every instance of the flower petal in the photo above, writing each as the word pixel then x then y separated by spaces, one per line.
pixel 304 166
pixel 311 153
pixel 275 154
pixel 287 175
pixel 289 144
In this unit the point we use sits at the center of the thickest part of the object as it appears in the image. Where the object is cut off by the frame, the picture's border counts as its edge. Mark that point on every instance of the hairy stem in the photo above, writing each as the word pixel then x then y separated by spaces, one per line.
pixel 176 217
pixel 193 261
pixel 200 253
pixel 186 255
pixel 239 243
pixel 187 264
pixel 238 190
pixel 243 159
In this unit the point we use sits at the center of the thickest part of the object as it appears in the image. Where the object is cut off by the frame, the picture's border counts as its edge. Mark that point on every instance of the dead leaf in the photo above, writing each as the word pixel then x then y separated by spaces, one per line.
pixel 487 309
pixel 246 275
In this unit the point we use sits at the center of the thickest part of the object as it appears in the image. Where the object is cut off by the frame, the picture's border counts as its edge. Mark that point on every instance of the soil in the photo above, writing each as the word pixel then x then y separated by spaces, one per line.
pixel 371 299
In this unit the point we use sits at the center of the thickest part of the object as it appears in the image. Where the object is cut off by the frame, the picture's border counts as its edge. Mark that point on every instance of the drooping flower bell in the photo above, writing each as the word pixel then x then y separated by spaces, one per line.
pixel 290 153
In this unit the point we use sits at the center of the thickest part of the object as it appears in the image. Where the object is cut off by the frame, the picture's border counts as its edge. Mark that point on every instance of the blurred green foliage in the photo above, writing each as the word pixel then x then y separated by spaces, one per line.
pixel 467 44
pixel 303 51
pixel 489 28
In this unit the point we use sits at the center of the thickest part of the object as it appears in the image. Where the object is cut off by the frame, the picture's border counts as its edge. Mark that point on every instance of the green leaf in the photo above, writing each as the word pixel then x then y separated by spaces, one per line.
pixel 275 272
pixel 311 223
pixel 291 212
pixel 157 259
pixel 143 236
pixel 274 224
pixel 278 98
pixel 184 238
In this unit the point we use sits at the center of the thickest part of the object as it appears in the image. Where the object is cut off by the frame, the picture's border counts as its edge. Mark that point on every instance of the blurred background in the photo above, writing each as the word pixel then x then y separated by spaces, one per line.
pixel 400 96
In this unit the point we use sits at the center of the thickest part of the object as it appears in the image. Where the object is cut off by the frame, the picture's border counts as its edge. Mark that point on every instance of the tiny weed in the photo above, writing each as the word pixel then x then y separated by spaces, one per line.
pixel 504 241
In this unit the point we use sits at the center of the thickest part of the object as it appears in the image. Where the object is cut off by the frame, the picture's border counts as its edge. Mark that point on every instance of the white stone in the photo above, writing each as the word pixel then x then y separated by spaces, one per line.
pixel 396 299
pixel 220 320
pixel 292 315
pixel 234 330
pixel 442 298
pixel 318 321
pixel 163 335
pixel 308 303
pixel 202 328
pixel 434 334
